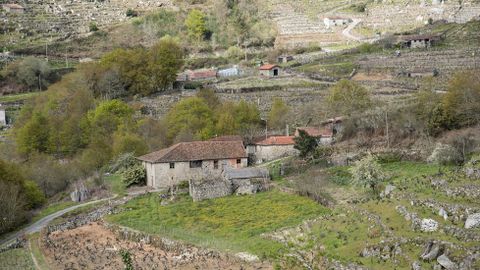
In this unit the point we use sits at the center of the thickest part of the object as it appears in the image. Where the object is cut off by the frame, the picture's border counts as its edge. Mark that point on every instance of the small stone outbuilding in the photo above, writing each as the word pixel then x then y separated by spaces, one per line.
pixel 323 135
pixel 271 148
pixel 419 41
pixel 241 181
pixel 270 70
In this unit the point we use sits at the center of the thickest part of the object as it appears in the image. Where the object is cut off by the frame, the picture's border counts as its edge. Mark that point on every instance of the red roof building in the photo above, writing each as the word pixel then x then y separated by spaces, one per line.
pixel 269 70
pixel 277 140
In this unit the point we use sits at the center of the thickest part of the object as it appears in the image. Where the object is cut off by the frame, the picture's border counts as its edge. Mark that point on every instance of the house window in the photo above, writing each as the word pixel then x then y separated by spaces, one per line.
pixel 172 165
pixel 196 164
pixel 215 164
pixel 239 161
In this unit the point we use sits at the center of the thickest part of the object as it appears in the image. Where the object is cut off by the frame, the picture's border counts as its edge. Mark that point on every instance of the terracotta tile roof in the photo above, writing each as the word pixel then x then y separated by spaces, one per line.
pixel 277 140
pixel 199 150
pixel 268 67
pixel 316 132
pixel 228 138
pixel 202 74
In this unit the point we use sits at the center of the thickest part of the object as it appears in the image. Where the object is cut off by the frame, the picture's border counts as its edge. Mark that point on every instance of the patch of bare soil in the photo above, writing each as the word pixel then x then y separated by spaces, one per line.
pixel 95 247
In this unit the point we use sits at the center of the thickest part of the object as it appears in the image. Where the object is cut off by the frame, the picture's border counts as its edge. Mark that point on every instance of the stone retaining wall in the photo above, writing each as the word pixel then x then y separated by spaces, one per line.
pixel 209 189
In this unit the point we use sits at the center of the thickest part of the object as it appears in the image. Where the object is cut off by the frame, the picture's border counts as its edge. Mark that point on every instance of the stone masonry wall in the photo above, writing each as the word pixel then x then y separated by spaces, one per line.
pixel 209 189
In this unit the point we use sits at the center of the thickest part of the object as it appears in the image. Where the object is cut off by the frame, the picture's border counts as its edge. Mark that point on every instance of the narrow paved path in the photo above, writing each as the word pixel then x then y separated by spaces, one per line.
pixel 346 31
pixel 43 222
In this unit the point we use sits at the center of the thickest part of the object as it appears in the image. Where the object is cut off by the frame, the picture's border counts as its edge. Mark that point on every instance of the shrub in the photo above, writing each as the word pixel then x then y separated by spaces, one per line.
pixel 323 153
pixel 131 13
pixel 126 259
pixel 305 143
pixel 235 53
pixel 367 172
pixel 445 154
pixel 134 175
pixel 93 27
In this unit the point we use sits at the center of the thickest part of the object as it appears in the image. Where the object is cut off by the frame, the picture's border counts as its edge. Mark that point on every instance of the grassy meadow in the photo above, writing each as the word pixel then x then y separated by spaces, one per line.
pixel 233 223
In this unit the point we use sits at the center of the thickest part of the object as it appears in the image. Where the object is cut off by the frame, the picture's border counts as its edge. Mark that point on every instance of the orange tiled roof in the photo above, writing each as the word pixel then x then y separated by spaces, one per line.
pixel 199 150
pixel 277 140
pixel 268 67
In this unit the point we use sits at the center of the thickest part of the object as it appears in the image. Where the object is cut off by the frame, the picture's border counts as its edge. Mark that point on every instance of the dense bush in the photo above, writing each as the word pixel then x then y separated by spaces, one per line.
pixel 305 143
pixel 134 175
pixel 31 73
pixel 368 173
pixel 445 154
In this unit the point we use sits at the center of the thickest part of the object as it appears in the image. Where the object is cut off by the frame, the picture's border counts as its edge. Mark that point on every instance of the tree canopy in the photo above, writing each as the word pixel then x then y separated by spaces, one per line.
pixel 347 98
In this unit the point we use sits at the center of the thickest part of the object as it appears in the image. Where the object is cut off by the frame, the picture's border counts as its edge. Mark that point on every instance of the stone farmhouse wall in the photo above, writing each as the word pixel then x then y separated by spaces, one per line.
pixel 270 152
pixel 209 189
pixel 160 175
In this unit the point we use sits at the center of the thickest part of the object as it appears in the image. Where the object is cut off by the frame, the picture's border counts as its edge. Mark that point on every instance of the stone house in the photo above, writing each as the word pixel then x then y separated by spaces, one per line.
pixel 192 161
pixel 419 41
pixel 13 8
pixel 323 135
pixel 284 58
pixel 271 148
pixel 269 70
pixel 336 21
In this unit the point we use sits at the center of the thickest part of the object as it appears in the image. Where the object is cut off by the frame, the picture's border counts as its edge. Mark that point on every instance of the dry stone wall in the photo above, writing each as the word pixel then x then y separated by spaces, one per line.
pixel 296 98
pixel 209 189
pixel 61 19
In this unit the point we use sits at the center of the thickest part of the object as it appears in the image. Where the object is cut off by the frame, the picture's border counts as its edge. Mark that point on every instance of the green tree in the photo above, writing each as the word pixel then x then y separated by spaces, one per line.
pixel 278 116
pixel 347 98
pixel 34 135
pixel 191 115
pixel 305 143
pixel 17 195
pixel 368 173
pixel 196 24
pixel 128 142
pixel 32 72
pixel 462 101
pixel 132 67
pixel 165 60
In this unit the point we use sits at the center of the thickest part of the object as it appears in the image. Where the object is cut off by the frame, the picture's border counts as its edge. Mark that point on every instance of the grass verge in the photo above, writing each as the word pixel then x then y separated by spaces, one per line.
pixel 233 223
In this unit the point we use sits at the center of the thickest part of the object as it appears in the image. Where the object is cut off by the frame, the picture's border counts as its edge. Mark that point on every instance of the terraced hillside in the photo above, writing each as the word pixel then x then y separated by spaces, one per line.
pixel 300 23
pixel 58 20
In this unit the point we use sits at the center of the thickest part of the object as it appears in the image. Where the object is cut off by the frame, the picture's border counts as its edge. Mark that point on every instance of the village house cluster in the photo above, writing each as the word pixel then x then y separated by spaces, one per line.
pixel 220 166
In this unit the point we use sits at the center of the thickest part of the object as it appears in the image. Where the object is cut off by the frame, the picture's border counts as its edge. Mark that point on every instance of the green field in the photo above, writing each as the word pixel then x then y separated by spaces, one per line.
pixel 115 184
pixel 233 223
pixel 19 258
